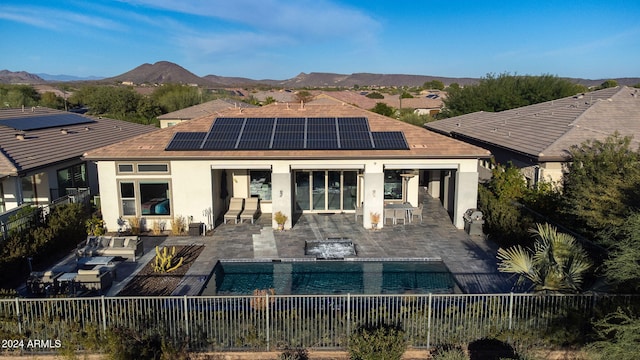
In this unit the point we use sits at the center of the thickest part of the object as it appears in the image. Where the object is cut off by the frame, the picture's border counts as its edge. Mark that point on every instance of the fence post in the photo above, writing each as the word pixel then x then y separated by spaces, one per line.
pixel 267 314
pixel 186 315
pixel 429 321
pixel 103 303
pixel 510 310
pixel 18 316
pixel 348 318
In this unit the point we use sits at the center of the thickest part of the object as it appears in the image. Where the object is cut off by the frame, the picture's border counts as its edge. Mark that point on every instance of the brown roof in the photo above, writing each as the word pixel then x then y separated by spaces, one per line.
pixel 43 147
pixel 547 130
pixel 207 108
pixel 422 143
pixel 362 101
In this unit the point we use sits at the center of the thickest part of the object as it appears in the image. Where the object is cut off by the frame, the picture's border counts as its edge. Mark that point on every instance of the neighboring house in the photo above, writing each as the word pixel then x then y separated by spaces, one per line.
pixel 196 111
pixel 423 104
pixel 536 138
pixel 295 158
pixel 41 152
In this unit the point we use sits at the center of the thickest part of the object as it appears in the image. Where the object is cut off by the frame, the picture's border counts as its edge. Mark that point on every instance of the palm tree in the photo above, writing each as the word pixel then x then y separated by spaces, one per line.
pixel 556 263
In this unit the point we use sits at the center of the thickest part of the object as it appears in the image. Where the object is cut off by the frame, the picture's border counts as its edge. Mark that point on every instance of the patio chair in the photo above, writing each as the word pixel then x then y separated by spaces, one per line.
pixel 401 214
pixel 390 214
pixel 359 212
pixel 235 208
pixel 251 209
pixel 417 212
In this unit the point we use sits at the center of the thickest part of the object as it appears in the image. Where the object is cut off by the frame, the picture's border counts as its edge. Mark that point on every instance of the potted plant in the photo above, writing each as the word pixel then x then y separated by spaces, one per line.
pixel 280 219
pixel 375 219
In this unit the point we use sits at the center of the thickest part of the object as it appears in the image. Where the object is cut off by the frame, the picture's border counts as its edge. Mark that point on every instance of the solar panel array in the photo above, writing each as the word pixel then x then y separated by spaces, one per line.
pixel 45 121
pixel 317 133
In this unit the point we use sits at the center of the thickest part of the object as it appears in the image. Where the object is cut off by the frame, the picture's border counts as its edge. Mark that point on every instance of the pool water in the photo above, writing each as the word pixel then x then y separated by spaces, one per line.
pixel 331 277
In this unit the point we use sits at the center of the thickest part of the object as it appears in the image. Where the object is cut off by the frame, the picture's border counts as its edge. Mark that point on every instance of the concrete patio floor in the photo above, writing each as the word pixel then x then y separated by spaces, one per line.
pixel 471 259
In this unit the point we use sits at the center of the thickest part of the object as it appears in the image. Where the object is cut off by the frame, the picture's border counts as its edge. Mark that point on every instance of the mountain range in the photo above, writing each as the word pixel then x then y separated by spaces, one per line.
pixel 168 72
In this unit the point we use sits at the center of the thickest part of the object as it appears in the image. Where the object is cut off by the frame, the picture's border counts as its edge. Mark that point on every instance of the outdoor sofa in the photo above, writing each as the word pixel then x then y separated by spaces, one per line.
pixel 128 247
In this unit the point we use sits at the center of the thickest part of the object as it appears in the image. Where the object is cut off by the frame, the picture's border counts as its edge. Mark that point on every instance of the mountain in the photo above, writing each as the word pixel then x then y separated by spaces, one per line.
pixel 19 77
pixel 168 72
pixel 62 77
pixel 158 73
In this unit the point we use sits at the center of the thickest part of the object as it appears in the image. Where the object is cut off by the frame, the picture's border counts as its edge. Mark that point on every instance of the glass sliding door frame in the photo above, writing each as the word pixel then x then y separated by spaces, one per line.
pixel 320 191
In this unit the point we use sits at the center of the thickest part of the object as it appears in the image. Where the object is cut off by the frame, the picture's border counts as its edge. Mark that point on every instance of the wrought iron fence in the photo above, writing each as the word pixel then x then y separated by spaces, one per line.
pixel 272 322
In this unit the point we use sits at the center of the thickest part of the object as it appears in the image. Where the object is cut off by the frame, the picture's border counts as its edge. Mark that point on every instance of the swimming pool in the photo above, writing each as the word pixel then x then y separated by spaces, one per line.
pixel 330 277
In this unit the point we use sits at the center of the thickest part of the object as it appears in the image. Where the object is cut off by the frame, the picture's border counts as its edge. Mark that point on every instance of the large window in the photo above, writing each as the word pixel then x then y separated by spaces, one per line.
pixel 392 185
pixel 150 197
pixel 28 190
pixel 72 177
pixel 260 185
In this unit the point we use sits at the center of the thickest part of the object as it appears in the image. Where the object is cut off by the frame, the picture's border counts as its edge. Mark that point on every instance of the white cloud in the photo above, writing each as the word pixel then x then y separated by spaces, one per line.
pixel 48 18
pixel 303 18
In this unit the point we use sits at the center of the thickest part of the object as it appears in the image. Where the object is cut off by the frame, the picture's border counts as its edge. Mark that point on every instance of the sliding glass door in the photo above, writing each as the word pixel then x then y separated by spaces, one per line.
pixel 326 190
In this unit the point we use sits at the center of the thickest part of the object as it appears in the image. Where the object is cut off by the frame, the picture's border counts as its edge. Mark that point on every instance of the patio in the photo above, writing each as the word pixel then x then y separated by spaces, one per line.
pixel 470 259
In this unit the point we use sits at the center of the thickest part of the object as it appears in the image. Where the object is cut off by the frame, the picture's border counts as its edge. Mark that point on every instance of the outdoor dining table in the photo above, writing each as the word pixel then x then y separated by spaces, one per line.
pixel 407 207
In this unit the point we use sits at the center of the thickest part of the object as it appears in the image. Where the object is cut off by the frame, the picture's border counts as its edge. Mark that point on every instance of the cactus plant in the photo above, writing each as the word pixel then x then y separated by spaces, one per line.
pixel 164 260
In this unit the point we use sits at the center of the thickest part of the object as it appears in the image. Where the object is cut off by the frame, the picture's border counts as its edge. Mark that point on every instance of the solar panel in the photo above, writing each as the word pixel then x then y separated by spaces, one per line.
pixel 289 134
pixel 256 134
pixel 45 121
pixel 186 141
pixel 223 134
pixel 389 140
pixel 319 133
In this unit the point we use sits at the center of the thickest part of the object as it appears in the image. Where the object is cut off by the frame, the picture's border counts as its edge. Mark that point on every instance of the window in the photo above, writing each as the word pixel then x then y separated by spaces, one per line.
pixel 392 185
pixel 127 194
pixel 72 177
pixel 152 197
pixel 125 168
pixel 28 190
pixel 260 185
pixel 163 168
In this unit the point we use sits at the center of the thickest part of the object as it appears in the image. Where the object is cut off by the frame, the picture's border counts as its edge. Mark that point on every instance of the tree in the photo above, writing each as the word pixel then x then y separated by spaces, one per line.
pixel 618 336
pixel 622 267
pixel 375 95
pixel 607 84
pixel 172 97
pixel 383 109
pixel 505 91
pixel 15 96
pixel 51 100
pixel 406 95
pixel 433 85
pixel 601 186
pixel 304 96
pixel 557 263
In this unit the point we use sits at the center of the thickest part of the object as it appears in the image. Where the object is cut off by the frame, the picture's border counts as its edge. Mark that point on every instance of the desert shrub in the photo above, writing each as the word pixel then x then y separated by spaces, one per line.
pixel 294 354
pixel 134 224
pixel 178 224
pixel 126 344
pixel 379 341
pixel 491 349
pixel 448 352
pixel 95 226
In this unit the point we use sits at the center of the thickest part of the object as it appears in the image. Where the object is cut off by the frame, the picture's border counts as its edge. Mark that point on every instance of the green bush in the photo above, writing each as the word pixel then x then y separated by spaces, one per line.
pixel 377 342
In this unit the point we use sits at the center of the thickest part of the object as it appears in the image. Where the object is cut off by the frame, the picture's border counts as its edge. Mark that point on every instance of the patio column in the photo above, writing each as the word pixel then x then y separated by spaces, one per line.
pixel 466 196
pixel 373 198
pixel 281 197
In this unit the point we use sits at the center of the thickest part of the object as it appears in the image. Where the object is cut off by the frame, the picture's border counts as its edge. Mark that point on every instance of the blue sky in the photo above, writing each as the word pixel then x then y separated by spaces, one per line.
pixel 277 39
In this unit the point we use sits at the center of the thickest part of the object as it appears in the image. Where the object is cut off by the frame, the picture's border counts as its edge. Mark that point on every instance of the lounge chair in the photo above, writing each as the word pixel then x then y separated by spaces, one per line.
pixel 235 209
pixel 251 209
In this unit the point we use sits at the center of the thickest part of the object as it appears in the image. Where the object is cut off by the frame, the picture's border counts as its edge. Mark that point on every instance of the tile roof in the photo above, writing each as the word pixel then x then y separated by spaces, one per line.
pixel 209 107
pixel 422 143
pixel 361 101
pixel 48 146
pixel 547 130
